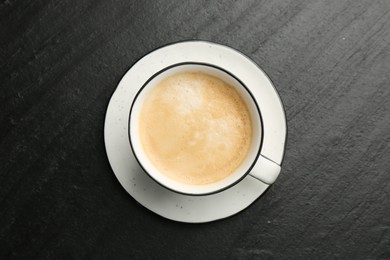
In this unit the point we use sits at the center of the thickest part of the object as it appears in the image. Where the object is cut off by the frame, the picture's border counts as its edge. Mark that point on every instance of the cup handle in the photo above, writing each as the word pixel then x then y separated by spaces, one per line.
pixel 265 170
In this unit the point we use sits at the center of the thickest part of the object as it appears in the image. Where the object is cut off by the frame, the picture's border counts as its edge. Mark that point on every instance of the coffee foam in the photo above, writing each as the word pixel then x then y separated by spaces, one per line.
pixel 195 128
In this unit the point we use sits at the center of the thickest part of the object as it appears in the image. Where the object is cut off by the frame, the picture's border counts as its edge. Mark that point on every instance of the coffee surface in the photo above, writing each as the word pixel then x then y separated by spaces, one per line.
pixel 195 128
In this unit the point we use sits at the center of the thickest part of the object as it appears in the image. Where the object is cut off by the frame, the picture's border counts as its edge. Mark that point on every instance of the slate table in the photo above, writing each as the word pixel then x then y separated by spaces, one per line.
pixel 62 60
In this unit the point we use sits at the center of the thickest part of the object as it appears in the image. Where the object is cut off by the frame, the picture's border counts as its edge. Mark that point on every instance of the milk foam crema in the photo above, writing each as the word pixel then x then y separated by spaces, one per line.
pixel 195 128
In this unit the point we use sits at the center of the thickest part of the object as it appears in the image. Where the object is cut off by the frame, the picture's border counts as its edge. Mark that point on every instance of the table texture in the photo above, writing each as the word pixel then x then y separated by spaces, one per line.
pixel 62 60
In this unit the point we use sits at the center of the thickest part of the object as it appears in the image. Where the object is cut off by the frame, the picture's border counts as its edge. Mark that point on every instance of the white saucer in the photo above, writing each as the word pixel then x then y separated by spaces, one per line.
pixel 139 185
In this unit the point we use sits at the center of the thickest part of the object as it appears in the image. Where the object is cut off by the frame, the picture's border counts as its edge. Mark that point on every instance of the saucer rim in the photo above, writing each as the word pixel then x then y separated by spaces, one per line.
pixel 265 185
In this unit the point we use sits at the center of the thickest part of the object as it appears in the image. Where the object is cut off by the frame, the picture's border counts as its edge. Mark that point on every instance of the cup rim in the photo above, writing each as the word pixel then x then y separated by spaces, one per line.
pixel 258 153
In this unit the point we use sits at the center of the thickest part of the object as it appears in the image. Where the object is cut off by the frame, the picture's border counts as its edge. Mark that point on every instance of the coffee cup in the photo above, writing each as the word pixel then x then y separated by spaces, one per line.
pixel 196 129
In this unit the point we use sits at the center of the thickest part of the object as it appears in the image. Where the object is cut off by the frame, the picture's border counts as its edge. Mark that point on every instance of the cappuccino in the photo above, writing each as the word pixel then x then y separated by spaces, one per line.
pixel 195 128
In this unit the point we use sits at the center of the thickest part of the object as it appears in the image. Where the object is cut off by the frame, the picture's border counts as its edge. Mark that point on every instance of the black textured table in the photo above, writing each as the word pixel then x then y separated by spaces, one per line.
pixel 61 61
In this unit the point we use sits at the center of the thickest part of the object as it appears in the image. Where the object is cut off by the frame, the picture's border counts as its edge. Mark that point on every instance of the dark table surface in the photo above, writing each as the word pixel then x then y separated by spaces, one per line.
pixel 62 60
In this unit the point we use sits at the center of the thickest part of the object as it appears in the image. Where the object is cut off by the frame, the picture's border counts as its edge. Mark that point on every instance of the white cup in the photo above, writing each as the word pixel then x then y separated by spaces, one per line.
pixel 254 164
